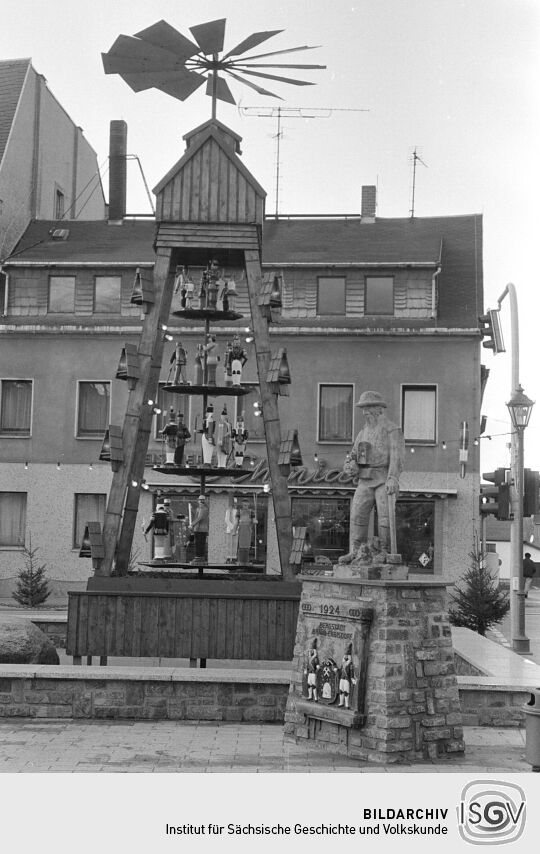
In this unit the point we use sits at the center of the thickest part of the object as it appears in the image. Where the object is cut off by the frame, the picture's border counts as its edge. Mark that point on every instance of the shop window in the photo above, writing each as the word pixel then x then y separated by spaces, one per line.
pixel 419 413
pixel 331 295
pixel 88 507
pixel 379 295
pixel 258 503
pixel 107 294
pixel 254 424
pixel 335 413
pixel 12 519
pixel 415 534
pixel 15 407
pixel 93 409
pixel 61 295
pixel 184 507
pixel 327 523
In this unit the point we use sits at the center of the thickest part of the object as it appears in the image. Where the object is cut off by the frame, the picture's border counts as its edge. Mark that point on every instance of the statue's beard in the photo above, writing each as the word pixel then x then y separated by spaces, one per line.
pixel 371 418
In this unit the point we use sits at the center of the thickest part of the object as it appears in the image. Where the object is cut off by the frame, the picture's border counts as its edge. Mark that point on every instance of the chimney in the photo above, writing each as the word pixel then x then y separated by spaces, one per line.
pixel 117 170
pixel 369 203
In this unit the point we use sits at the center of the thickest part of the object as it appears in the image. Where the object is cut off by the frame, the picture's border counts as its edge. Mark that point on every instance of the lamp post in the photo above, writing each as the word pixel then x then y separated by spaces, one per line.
pixel 520 408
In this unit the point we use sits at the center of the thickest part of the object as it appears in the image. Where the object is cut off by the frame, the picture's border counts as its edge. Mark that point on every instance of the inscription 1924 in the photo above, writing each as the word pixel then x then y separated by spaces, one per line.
pixel 345 610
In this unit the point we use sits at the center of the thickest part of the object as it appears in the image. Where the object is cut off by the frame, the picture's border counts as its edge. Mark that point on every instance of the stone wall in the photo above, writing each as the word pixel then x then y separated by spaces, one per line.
pixel 490 702
pixel 66 691
pixel 141 694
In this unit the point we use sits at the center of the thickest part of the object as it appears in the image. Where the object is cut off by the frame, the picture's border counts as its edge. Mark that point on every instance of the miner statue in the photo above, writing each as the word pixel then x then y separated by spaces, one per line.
pixel 377 459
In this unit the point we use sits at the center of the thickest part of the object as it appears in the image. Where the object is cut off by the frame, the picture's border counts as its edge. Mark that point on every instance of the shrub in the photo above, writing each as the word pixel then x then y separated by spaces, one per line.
pixel 32 585
pixel 478 601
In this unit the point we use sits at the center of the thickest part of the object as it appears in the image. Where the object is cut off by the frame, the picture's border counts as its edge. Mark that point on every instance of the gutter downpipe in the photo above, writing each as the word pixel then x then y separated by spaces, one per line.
pixel 520 641
pixel 434 292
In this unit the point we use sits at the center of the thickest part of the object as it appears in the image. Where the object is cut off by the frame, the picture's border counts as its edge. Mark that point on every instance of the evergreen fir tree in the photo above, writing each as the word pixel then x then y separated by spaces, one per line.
pixel 32 585
pixel 478 603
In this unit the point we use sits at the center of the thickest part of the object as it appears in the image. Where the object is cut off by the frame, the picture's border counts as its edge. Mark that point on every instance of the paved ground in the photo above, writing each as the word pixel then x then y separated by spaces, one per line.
pixel 183 746
pixel 532 626
pixel 171 747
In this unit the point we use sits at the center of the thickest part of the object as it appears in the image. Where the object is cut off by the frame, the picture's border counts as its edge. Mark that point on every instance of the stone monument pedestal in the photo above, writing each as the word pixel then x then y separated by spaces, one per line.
pixel 395 699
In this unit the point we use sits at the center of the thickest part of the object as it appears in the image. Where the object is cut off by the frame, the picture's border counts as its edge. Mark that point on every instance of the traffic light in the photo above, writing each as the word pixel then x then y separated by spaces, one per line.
pixel 531 487
pixel 495 499
pixel 490 326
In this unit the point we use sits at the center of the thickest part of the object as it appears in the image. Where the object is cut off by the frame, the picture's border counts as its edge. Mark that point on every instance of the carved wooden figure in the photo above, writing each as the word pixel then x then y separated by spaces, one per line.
pixel 212 359
pixel 246 524
pixel 231 529
pixel 160 526
pixel 169 433
pixel 208 439
pixel 224 439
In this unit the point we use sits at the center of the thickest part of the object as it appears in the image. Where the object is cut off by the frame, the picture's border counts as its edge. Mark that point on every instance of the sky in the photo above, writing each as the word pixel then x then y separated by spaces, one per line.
pixel 457 80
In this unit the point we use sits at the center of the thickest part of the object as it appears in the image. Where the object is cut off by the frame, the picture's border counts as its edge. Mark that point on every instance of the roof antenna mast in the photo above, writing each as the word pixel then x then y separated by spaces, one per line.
pixel 292 113
pixel 416 159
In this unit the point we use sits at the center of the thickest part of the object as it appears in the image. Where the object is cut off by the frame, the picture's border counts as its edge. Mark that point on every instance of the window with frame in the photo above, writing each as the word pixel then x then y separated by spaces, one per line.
pixel 12 519
pixel 87 507
pixel 331 294
pixel 61 295
pixel 166 399
pixel 415 523
pixel 335 413
pixel 59 204
pixel 419 413
pixel 107 291
pixel 327 523
pixel 15 407
pixel 379 295
pixel 93 409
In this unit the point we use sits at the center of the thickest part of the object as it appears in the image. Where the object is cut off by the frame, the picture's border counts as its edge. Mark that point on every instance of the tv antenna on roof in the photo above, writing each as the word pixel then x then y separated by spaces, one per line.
pixel 416 159
pixel 160 57
pixel 293 113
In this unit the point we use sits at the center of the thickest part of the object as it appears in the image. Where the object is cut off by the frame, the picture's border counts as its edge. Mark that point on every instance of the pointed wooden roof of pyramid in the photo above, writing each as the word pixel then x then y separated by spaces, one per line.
pixel 210 183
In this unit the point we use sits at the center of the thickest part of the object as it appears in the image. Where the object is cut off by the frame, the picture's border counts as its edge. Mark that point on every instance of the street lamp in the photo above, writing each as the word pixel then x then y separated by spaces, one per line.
pixel 520 408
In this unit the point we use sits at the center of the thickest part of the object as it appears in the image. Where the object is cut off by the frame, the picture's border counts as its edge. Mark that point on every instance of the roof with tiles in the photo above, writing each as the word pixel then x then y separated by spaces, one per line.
pixel 12 77
pixel 454 241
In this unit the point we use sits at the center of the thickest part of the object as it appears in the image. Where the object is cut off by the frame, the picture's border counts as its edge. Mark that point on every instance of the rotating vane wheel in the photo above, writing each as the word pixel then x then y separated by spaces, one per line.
pixel 160 57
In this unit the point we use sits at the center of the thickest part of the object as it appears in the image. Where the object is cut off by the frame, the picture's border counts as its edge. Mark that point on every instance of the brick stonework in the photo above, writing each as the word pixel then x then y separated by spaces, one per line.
pixel 133 694
pixel 48 691
pixel 412 704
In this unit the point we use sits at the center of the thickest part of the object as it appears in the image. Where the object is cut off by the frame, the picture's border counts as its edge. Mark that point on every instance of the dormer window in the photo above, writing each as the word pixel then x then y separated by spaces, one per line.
pixel 379 296
pixel 331 295
pixel 59 234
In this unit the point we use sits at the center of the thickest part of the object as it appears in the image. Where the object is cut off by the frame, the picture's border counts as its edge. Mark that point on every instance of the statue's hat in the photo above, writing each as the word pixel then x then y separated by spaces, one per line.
pixel 371 398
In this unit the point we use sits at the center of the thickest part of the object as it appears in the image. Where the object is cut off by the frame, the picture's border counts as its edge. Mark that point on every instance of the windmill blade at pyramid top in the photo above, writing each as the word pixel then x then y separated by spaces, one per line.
pixel 222 91
pixel 247 64
pixel 250 42
pixel 162 58
pixel 287 50
pixel 279 79
pixel 132 54
pixel 251 85
pixel 164 36
pixel 210 36
pixel 178 84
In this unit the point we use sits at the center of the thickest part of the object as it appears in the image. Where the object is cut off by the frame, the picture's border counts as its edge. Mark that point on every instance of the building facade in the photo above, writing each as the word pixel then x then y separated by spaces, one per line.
pixel 389 305
pixel 47 168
